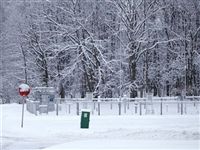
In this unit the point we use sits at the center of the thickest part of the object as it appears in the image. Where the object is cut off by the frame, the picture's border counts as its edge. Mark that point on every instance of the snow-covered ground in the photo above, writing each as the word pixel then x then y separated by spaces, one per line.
pixel 51 132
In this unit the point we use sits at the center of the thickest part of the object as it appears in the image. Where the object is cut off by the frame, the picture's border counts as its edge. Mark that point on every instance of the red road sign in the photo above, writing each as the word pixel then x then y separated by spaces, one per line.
pixel 24 89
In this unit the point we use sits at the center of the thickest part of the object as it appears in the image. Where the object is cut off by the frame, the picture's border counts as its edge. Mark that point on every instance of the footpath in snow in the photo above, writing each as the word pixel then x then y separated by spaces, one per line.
pixel 51 132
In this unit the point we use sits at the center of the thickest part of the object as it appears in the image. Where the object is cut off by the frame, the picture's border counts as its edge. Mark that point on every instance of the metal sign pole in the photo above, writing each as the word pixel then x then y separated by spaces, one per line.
pixel 24 90
pixel 22 122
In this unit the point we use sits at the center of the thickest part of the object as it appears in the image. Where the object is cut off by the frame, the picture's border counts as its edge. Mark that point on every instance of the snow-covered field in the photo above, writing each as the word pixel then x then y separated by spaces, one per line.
pixel 51 132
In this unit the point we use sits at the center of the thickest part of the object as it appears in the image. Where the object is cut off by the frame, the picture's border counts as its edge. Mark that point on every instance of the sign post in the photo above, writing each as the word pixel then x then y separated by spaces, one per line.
pixel 24 90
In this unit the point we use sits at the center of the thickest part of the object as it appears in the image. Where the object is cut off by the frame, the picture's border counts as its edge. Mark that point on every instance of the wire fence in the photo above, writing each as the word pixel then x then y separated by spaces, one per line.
pixel 129 106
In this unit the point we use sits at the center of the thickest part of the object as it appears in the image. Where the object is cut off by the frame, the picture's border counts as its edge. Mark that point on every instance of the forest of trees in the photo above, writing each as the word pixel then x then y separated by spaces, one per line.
pixel 109 47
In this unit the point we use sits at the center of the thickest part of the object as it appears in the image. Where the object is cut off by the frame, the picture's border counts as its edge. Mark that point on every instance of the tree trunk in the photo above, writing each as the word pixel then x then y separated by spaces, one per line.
pixel 132 67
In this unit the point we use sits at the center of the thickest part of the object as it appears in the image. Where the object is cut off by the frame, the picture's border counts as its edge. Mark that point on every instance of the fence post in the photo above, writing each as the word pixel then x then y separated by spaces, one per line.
pixel 57 101
pixel 140 108
pixel 99 107
pixel 69 108
pixel 167 108
pixel 178 109
pixel 135 107
pixel 119 104
pixel 196 106
pixel 111 104
pixel 128 106
pixel 125 107
pixel 185 108
pixel 77 108
pixel 34 108
pixel 161 108
pixel 181 108
pixel 181 100
pixel 193 100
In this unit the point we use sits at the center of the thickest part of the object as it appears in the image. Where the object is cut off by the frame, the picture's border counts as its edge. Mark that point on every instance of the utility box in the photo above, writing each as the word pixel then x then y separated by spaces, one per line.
pixel 85 118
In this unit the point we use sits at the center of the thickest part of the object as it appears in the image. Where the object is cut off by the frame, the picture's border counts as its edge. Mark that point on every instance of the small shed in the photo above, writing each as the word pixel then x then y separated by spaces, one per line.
pixel 42 99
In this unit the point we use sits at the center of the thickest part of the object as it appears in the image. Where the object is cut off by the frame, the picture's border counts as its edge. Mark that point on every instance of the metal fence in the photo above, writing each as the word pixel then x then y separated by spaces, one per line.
pixel 129 106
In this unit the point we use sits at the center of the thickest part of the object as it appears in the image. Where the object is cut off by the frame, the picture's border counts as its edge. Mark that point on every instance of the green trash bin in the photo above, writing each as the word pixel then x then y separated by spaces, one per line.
pixel 85 118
